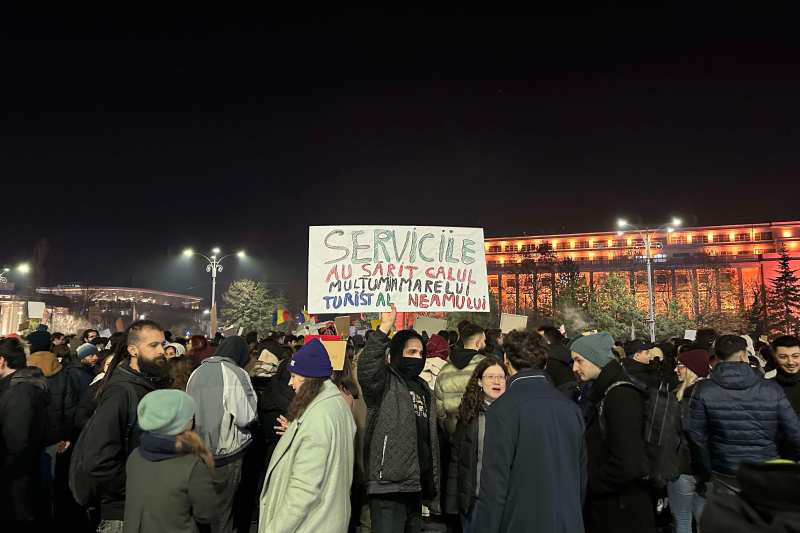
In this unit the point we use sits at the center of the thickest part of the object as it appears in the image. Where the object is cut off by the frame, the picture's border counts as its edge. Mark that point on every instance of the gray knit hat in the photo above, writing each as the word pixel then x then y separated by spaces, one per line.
pixel 597 348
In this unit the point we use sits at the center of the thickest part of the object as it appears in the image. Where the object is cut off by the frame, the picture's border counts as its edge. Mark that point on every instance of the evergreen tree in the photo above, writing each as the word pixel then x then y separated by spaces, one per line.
pixel 784 297
pixel 756 322
pixel 613 309
pixel 673 322
pixel 249 304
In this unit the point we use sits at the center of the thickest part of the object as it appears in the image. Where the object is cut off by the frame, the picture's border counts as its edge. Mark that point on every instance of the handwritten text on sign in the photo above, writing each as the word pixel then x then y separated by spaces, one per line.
pixel 417 268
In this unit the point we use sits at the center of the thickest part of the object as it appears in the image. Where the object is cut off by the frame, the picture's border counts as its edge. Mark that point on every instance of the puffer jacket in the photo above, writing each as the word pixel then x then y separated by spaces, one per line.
pixel 392 463
pixel 64 397
pixel 462 479
pixel 451 384
pixel 737 416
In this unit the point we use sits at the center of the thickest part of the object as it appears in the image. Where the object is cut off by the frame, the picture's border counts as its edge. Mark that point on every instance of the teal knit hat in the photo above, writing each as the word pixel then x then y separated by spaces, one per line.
pixel 166 412
pixel 597 348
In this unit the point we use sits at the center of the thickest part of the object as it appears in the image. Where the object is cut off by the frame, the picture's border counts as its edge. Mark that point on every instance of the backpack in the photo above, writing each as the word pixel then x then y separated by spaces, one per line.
pixel 81 482
pixel 662 430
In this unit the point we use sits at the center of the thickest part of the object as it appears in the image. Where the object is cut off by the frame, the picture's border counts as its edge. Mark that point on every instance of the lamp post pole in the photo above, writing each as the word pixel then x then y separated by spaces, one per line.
pixel 647 240
pixel 213 267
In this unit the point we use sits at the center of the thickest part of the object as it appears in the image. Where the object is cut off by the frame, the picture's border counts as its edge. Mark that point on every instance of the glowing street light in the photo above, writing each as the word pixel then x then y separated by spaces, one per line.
pixel 23 268
pixel 647 239
pixel 240 254
pixel 213 267
pixel 206 311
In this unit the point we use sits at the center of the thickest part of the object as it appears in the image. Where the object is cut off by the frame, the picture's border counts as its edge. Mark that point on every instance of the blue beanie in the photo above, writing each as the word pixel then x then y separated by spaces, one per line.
pixel 166 411
pixel 86 349
pixel 311 361
pixel 597 348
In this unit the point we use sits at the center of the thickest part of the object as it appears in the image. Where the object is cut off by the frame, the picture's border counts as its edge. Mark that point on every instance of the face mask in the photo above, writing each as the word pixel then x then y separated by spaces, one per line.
pixel 410 367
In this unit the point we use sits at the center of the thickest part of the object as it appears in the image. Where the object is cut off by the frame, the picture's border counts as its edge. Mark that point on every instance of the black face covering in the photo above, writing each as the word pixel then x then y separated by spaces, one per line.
pixel 411 367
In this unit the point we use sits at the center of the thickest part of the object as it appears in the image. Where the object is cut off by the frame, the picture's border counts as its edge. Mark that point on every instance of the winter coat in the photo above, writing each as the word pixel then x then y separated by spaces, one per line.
pixel 769 502
pixel 64 397
pixel 462 479
pixel 24 402
pixel 535 476
pixel 226 404
pixel 648 375
pixel 170 495
pixel 451 385
pixel 618 500
pixel 391 459
pixel 737 416
pixel 307 487
pixel 791 387
pixel 110 444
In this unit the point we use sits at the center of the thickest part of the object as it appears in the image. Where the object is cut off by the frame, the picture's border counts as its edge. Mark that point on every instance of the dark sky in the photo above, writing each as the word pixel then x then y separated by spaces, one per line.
pixel 124 140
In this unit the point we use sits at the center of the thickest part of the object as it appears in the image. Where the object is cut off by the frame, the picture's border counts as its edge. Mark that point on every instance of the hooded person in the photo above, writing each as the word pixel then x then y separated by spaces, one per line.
pixel 401 442
pixel 178 348
pixel 452 380
pixel 63 396
pixel 226 408
pixel 168 485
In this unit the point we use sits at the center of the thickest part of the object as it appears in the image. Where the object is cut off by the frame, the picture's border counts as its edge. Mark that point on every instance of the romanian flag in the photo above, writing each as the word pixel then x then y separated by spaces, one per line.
pixel 281 315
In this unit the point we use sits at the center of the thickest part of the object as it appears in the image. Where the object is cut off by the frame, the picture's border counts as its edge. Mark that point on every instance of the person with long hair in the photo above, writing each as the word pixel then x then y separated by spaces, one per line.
pixel 487 384
pixel 308 481
pixel 169 485
pixel 684 501
pixel 199 349
pixel 181 368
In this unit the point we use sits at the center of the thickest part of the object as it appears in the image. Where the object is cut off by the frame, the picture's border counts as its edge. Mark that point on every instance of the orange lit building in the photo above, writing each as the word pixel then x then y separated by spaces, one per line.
pixel 717 268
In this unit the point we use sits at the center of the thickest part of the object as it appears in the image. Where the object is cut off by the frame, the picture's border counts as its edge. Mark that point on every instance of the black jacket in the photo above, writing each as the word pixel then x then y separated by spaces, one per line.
pixel 24 402
pixel 648 375
pixel 769 502
pixel 737 416
pixel 391 455
pixel 618 499
pixel 463 472
pixel 535 476
pixel 110 445
pixel 791 387
pixel 64 399
pixel 559 368
pixel 274 396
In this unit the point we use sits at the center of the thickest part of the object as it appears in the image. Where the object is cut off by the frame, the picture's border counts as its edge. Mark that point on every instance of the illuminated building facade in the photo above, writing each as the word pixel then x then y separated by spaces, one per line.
pixel 709 268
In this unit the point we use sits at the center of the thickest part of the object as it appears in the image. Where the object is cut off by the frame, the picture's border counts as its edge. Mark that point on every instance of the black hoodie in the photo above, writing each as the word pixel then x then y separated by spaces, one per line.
pixel 461 357
pixel 235 349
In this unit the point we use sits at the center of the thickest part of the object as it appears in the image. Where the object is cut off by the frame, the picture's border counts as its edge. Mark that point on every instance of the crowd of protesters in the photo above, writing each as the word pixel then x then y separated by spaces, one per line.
pixel 467 430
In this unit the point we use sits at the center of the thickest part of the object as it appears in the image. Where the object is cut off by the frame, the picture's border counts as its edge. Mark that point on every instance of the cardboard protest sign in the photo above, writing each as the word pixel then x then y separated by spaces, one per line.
pixel 342 324
pixel 431 325
pixel 509 322
pixel 690 334
pixel 375 323
pixel 335 347
pixel 357 269
pixel 36 309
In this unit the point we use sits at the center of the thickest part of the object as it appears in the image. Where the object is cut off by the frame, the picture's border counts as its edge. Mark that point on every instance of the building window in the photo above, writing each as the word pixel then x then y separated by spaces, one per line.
pixel 740 237
pixel 743 252
pixel 561 246
pixel 494 249
pixel 764 236
pixel 721 238
pixel 510 248
pixel 680 239
pixel 599 244
pixel 701 239
pixel 583 244
pixel 620 243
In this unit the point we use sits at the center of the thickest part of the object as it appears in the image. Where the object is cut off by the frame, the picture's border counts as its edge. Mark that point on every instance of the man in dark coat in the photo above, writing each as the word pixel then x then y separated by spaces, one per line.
pixel 737 416
pixel 640 365
pixel 531 416
pixel 787 354
pixel 401 443
pixel 23 436
pixel 618 499
pixel 140 369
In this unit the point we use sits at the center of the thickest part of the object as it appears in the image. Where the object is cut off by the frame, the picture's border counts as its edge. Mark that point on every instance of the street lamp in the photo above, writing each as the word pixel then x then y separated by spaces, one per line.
pixel 647 239
pixel 214 265
pixel 23 268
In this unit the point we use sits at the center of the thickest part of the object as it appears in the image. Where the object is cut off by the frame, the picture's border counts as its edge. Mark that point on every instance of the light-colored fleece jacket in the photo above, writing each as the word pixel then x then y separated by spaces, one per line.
pixel 226 406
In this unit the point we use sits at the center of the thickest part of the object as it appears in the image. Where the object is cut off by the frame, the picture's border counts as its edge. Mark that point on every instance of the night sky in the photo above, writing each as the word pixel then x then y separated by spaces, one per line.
pixel 124 141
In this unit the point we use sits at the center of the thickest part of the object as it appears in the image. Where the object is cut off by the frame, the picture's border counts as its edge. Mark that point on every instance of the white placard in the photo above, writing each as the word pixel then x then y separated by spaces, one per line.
pixel 509 322
pixel 431 325
pixel 355 269
pixel 36 309
pixel 690 334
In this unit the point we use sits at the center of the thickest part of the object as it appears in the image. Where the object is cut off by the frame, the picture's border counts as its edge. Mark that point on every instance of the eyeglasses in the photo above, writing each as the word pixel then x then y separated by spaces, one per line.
pixel 494 377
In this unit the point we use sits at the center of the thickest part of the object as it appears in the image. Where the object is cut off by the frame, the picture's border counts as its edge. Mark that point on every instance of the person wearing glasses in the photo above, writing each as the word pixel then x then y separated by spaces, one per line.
pixel 487 383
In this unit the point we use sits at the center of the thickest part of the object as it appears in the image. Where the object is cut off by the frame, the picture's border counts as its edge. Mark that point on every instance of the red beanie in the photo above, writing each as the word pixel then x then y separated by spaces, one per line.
pixel 438 347
pixel 696 361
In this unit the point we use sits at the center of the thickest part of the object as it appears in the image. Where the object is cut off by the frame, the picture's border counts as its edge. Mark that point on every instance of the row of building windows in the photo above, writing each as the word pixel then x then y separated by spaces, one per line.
pixel 706 238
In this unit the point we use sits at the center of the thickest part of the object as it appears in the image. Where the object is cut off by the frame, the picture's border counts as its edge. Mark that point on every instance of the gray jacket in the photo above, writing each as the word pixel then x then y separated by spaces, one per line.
pixel 391 458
